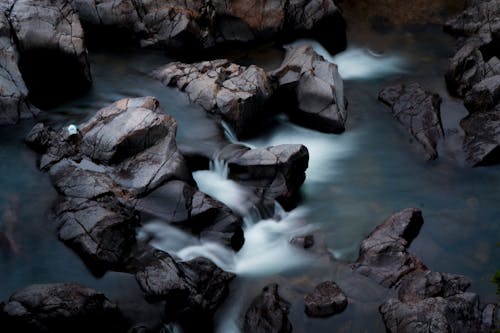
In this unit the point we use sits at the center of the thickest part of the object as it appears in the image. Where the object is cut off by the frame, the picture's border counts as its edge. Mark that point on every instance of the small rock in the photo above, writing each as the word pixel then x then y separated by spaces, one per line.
pixel 304 242
pixel 326 299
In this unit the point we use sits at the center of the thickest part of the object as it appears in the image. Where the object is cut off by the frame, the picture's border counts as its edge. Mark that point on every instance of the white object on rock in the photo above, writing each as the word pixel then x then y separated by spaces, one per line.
pixel 72 130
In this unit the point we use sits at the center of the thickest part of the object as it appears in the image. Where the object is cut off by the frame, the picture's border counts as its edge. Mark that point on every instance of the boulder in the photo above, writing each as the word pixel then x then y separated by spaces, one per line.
pixel 419 111
pixel 14 104
pixel 273 173
pixel 310 90
pixel 53 57
pixel 268 313
pixel 479 18
pixel 383 255
pixel 325 300
pixel 184 206
pixel 236 94
pixel 60 307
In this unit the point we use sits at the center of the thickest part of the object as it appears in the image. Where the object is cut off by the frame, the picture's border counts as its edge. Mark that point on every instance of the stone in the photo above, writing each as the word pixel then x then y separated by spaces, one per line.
pixel 58 308
pixel 268 312
pixel 310 90
pixel 304 242
pixel 236 94
pixel 418 111
pixel 383 255
pixel 325 300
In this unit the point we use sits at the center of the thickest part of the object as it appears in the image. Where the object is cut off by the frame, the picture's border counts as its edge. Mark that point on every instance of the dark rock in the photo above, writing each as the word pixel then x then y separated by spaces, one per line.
pixel 326 299
pixel 480 18
pixel 418 111
pixel 311 90
pixel 39 138
pixel 383 254
pixel 273 173
pixel 180 204
pixel 235 93
pixel 101 232
pixel 60 307
pixel 304 242
pixel 484 95
pixel 14 104
pixel 53 57
pixel 268 313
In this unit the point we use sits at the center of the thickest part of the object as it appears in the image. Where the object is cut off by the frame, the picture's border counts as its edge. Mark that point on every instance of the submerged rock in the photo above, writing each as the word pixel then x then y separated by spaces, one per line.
pixel 268 313
pixel 383 255
pixel 53 57
pixel 58 308
pixel 311 90
pixel 417 110
pixel 325 300
pixel 236 94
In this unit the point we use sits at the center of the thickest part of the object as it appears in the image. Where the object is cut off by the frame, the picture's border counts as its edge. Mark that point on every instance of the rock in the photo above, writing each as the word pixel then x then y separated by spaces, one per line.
pixel 383 255
pixel 273 173
pixel 180 204
pixel 484 95
pixel 193 25
pixel 268 313
pixel 326 299
pixel 14 104
pixel 311 90
pixel 304 242
pixel 101 232
pixel 479 18
pixel 236 94
pixel 60 307
pixel 417 110
pixel 53 57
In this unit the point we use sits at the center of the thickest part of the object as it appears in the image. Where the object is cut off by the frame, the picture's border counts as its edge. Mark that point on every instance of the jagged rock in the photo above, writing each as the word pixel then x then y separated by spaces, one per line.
pixel 180 204
pixel 58 308
pixel 273 173
pixel 325 300
pixel 417 110
pixel 53 57
pixel 383 254
pixel 14 104
pixel 484 95
pixel 101 232
pixel 193 24
pixel 480 18
pixel 311 90
pixel 268 313
pixel 236 94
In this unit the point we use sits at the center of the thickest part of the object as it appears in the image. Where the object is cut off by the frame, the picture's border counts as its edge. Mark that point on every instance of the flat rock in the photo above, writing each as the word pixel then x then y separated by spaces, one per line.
pixel 311 90
pixel 383 254
pixel 268 313
pixel 418 111
pixel 236 94
pixel 273 173
pixel 60 307
pixel 325 300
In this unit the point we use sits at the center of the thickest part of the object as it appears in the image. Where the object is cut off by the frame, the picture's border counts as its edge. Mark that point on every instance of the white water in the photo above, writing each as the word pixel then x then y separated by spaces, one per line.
pixel 357 63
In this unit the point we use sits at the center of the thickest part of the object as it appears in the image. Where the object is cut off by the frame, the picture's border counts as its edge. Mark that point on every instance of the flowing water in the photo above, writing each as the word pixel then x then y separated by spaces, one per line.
pixel 354 181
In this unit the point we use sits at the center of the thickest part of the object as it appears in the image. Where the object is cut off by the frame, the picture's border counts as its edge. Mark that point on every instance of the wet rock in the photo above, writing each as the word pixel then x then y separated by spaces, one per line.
pixel 273 173
pixel 194 25
pixel 60 307
pixel 383 255
pixel 101 231
pixel 310 90
pixel 325 300
pixel 480 18
pixel 14 104
pixel 417 110
pixel 484 95
pixel 53 57
pixel 268 313
pixel 236 94
pixel 184 206
pixel 304 242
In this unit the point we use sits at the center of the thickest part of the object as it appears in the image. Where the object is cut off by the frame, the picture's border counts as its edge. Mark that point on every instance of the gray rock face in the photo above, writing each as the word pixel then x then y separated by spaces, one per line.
pixel 234 93
pixel 14 103
pixel 193 24
pixel 325 300
pixel 417 110
pixel 51 44
pixel 273 173
pixel 480 18
pixel 268 313
pixel 314 84
pixel 60 307
pixel 383 254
